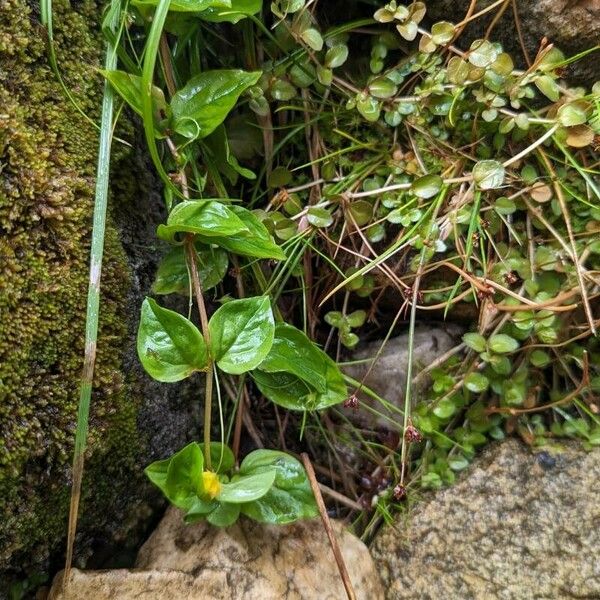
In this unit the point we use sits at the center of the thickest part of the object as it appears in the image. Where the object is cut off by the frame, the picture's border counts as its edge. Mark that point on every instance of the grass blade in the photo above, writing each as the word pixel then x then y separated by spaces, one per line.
pixel 93 299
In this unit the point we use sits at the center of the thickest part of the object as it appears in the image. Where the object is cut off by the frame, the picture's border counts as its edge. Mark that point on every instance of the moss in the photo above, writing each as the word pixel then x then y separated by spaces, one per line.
pixel 47 166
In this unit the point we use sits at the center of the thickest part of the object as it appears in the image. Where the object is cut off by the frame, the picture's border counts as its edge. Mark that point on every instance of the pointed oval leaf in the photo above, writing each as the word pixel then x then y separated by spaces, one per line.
pixel 319 217
pixel 221 457
pixel 293 393
pixel 241 334
pixel 482 53
pixel 258 243
pixel 246 488
pixel 290 497
pixel 169 346
pixel 224 515
pixel 172 274
pixel 208 98
pixel 208 218
pixel 129 87
pixel 293 352
pixel 178 477
pixel 239 9
pixel 382 87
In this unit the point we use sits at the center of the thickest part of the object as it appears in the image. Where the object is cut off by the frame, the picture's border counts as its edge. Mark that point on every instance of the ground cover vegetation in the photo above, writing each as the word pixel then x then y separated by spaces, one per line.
pixel 335 172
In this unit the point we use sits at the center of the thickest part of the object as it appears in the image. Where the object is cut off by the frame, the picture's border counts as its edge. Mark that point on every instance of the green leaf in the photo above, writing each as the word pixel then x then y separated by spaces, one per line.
pixel 281 8
pixel 241 334
pixel 458 463
pixel 502 343
pixel 475 341
pixel 319 217
pixel 382 87
pixel 293 352
pixel 482 53
pixel 408 30
pixel 184 5
pixel 221 457
pixel 169 346
pixel 476 382
pixel 258 243
pixel 548 87
pixel 178 477
pixel 444 409
pixel 488 174
pixel 217 145
pixel 442 32
pixel 336 56
pixel 325 76
pixel 129 87
pixel 291 392
pixel 427 186
pixel 539 358
pixel 198 509
pixel 289 499
pixel 279 177
pixel 240 9
pixel 204 102
pixel 458 70
pixel 368 107
pixel 247 487
pixel 356 318
pixel 282 90
pixel 208 218
pixel 505 206
pixel 500 364
pixel 172 275
pixel 312 38
pixel 224 515
pixel 361 211
pixel 573 113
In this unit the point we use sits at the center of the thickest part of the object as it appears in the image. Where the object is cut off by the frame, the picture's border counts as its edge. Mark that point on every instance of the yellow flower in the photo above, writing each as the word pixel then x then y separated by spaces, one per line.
pixel 210 484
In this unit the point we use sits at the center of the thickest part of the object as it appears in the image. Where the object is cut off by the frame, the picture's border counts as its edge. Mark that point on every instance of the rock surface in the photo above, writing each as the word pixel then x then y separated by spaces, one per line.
pixel 571 25
pixel 48 155
pixel 387 377
pixel 517 526
pixel 247 561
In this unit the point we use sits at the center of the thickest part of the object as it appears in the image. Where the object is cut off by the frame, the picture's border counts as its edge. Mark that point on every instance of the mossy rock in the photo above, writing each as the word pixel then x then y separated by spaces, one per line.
pixel 48 157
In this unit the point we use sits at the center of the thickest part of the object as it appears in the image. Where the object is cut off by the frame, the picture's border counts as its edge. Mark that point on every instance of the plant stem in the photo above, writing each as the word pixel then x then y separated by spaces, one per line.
pixel 190 251
pixel 337 553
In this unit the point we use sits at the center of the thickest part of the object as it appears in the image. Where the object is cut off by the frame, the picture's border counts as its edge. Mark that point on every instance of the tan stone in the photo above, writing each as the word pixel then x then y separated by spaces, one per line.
pixel 517 526
pixel 247 561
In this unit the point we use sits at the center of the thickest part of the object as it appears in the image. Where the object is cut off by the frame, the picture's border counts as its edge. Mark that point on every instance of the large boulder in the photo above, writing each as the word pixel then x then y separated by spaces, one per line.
pixel 47 172
pixel 518 524
pixel 571 25
pixel 247 561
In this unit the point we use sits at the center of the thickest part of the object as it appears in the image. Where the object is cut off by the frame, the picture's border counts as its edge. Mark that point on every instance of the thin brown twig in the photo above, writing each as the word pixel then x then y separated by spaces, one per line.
pixel 520 33
pixel 337 553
